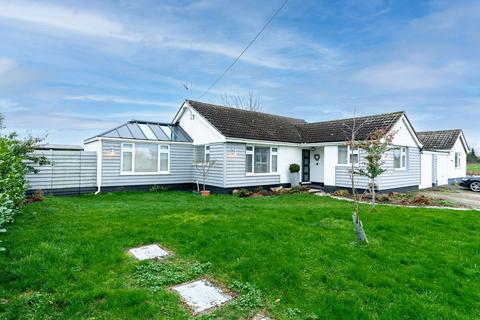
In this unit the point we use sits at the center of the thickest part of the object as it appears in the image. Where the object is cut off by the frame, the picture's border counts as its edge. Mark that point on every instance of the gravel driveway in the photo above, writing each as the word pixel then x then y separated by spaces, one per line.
pixel 457 195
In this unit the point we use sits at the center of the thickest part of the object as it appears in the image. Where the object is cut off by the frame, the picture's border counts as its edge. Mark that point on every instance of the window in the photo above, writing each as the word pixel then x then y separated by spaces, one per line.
pixel 145 158
pixel 347 156
pixel 274 159
pixel 261 160
pixel 400 158
pixel 127 157
pixel 202 153
pixel 342 155
pixel 457 160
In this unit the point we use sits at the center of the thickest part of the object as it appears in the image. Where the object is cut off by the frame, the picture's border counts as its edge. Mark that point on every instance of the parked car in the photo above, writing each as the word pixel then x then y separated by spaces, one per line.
pixel 473 183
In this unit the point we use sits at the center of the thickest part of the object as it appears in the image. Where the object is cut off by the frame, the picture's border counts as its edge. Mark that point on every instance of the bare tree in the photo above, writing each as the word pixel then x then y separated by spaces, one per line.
pixel 247 102
pixel 351 135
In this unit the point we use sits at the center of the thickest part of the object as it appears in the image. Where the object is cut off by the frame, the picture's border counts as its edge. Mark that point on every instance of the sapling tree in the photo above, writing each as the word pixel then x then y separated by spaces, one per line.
pixel 204 167
pixel 374 148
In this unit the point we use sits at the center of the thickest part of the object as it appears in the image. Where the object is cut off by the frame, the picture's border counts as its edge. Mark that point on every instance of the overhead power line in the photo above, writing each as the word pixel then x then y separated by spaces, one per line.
pixel 244 50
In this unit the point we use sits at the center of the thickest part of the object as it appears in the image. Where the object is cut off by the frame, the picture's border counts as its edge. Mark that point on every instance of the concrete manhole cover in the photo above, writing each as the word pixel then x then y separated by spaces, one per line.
pixel 201 295
pixel 152 251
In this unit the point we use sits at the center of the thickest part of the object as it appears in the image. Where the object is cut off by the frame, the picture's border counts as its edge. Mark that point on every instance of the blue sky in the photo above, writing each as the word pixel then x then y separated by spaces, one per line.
pixel 72 69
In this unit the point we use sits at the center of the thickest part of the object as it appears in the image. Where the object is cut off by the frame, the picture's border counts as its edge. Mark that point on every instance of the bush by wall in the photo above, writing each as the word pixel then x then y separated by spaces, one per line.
pixel 16 159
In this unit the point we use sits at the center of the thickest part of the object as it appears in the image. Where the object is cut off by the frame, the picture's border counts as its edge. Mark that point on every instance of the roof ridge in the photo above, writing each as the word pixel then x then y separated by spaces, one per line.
pixel 446 130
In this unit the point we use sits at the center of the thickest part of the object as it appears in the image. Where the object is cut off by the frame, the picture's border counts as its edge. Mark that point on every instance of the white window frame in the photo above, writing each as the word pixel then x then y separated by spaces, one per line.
pixel 457 159
pixel 349 153
pixel 252 152
pixel 403 153
pixel 159 151
pixel 207 152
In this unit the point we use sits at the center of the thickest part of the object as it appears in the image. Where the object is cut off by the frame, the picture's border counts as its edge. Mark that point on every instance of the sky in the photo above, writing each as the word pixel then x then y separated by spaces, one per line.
pixel 72 69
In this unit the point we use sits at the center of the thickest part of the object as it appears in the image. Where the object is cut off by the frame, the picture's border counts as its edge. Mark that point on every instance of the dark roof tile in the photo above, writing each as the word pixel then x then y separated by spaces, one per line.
pixel 439 140
pixel 244 124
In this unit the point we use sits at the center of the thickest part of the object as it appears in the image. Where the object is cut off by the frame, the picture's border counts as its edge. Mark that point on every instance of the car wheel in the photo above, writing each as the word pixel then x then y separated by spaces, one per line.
pixel 475 186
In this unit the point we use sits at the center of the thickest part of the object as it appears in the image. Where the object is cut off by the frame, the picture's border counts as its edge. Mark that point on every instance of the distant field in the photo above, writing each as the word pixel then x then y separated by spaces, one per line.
pixel 473 168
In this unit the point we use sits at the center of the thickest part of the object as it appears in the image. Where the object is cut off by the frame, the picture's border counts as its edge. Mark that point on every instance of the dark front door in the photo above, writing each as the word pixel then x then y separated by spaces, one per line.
pixel 305 165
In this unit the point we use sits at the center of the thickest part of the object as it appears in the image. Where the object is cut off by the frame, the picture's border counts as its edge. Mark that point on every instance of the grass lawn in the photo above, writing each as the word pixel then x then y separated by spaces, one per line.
pixel 473 167
pixel 67 258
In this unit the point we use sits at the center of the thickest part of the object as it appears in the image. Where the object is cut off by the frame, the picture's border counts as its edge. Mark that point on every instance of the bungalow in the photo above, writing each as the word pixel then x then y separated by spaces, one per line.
pixel 251 149
pixel 448 149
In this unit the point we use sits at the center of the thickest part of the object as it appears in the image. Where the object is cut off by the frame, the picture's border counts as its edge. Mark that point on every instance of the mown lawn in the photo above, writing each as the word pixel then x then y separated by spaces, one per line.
pixel 67 258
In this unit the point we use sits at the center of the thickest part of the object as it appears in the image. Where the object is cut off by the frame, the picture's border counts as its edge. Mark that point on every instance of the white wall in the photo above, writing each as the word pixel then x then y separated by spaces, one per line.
pixel 442 169
pixel 403 136
pixel 317 167
pixel 457 172
pixel 287 156
pixel 330 162
pixel 198 128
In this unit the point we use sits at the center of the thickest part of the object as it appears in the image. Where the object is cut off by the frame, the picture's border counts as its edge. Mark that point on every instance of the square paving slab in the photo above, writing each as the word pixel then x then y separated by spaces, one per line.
pixel 201 295
pixel 261 316
pixel 152 251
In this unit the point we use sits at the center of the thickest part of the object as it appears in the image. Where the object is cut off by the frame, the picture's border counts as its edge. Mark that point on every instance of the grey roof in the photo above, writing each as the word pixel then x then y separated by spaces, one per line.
pixel 48 146
pixel 341 130
pixel 439 140
pixel 147 130
pixel 244 124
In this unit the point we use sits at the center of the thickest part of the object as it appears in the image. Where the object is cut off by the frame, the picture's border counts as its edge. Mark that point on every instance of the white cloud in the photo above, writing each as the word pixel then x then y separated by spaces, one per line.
pixel 410 75
pixel 121 100
pixel 65 18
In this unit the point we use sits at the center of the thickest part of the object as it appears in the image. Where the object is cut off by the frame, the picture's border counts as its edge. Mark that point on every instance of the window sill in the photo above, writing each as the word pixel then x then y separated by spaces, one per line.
pixel 144 173
pixel 399 169
pixel 261 174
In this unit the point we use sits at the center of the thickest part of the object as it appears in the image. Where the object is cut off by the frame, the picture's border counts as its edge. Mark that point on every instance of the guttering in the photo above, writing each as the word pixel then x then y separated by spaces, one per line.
pixel 99 165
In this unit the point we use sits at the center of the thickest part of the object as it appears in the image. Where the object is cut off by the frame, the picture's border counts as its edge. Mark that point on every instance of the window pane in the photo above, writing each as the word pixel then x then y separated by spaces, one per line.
pixel 207 157
pixel 248 164
pixel 274 163
pixel 404 161
pixel 396 158
pixel 146 157
pixel 274 149
pixel 127 146
pixel 163 161
pixel 342 155
pixel 249 148
pixel 199 153
pixel 127 161
pixel 262 160
pixel 354 158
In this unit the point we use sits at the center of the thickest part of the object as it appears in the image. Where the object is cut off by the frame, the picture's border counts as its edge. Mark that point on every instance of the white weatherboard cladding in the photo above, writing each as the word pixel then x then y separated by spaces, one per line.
pixel 152 251
pixel 427 170
pixel 442 169
pixel 390 179
pixel 317 167
pixel 235 171
pixel 457 172
pixel 198 128
pixel 201 295
pixel 403 135
pixel 181 160
pixel 287 156
pixel 215 175
pixel 67 169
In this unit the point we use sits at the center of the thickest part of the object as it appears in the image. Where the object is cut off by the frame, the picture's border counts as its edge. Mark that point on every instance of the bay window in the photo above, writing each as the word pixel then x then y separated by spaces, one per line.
pixel 261 160
pixel 400 158
pixel 144 158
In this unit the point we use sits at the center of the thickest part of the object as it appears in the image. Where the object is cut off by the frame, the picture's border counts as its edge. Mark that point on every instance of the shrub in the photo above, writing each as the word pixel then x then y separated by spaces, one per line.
pixel 16 160
pixel 294 168
pixel 37 196
pixel 383 197
pixel 298 189
pixel 241 193
pixel 159 188
pixel 341 193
